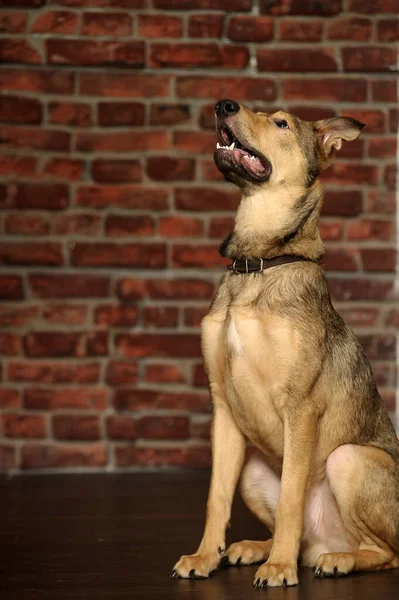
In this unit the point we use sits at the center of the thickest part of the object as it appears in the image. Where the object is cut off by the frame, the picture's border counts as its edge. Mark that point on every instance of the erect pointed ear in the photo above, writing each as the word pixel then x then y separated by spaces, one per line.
pixel 331 132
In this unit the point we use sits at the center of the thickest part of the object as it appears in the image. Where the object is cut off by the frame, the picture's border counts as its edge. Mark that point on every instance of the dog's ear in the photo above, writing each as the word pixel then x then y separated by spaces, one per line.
pixel 331 132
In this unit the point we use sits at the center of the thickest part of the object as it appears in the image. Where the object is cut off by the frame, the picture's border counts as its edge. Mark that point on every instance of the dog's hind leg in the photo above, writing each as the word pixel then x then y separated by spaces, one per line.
pixel 260 489
pixel 365 483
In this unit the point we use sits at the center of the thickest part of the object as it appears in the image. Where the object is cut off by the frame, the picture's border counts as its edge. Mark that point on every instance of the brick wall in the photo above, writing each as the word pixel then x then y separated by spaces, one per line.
pixel 111 201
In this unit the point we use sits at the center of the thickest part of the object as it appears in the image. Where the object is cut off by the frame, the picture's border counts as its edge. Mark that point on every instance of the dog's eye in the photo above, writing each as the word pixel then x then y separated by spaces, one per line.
pixel 283 124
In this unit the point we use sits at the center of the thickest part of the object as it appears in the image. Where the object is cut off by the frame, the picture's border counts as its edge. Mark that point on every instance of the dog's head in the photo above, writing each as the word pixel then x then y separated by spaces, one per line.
pixel 259 149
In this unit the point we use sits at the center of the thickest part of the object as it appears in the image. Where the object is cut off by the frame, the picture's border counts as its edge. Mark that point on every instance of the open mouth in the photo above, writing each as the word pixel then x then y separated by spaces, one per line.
pixel 232 156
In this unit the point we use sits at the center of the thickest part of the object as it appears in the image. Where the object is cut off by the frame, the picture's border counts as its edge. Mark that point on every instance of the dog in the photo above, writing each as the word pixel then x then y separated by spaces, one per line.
pixel 287 373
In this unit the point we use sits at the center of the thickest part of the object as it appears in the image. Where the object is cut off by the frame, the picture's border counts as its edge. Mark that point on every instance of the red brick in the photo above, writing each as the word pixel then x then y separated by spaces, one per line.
pixel 370 229
pixel 12 22
pixel 122 196
pixel 129 4
pixel 52 372
pixel 381 347
pixel 186 56
pixel 197 256
pixel 97 343
pixel 209 171
pixel 72 427
pixel 169 114
pixel 166 168
pixel 165 427
pixel 135 400
pixel 180 227
pixel 190 456
pixel 37 139
pixel 23 426
pixel 313 113
pixel 78 398
pixel 229 5
pixel 140 345
pixel 374 119
pixel 14 109
pixel 331 231
pixel 205 26
pixel 347 174
pixel 360 317
pixel 297 60
pixel 82 52
pixel 334 89
pixel 121 428
pixel 381 202
pixel 18 51
pixel 390 176
pixel 124 85
pixel 173 289
pixel 393 120
pixel 8 459
pixel 378 259
pixel 18 316
pixel 51 456
pixel 134 141
pixel 354 29
pixel 382 147
pixel 10 344
pixel 65 314
pixel 206 199
pixel 388 30
pixel 159 26
pixel 373 6
pixel 393 318
pixel 120 225
pixel 199 376
pixel 15 164
pixel 384 90
pixel 44 81
pixel 71 114
pixel 299 7
pixel 118 171
pixel 153 256
pixel 41 196
pixel 201 429
pixel 49 343
pixel 241 88
pixel 106 23
pixel 11 287
pixel 61 22
pixel 250 29
pixel 64 168
pixel 359 289
pixel 115 114
pixel 301 31
pixel 69 286
pixel 160 316
pixel 164 373
pixel 16 224
pixel 31 253
pixel 9 398
pixel 120 373
pixel 115 315
pixel 77 224
pixel 207 117
pixel 341 259
pixel 368 59
pixel 197 142
pixel 193 315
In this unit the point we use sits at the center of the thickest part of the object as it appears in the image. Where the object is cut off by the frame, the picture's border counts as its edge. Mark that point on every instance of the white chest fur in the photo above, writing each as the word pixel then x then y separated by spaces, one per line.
pixel 234 341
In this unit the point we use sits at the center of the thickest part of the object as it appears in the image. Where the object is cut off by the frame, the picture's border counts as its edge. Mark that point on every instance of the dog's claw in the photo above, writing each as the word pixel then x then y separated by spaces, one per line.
pixel 238 562
pixel 257 582
pixel 284 582
pixel 174 574
pixel 319 572
pixel 335 572
pixel 192 574
pixel 224 561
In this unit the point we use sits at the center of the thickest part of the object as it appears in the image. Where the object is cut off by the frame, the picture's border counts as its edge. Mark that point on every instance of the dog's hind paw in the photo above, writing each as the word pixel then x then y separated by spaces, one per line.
pixel 196 566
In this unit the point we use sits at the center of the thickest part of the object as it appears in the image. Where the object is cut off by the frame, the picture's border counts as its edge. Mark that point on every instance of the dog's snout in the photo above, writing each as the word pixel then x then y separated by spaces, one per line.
pixel 224 108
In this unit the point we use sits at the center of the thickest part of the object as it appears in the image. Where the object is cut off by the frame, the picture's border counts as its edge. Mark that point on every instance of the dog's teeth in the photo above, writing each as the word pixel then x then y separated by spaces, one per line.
pixel 218 146
pixel 232 146
pixel 252 157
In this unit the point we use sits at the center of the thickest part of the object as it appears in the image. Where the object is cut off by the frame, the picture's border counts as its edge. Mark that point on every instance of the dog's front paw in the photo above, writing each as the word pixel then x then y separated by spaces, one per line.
pixel 276 575
pixel 196 566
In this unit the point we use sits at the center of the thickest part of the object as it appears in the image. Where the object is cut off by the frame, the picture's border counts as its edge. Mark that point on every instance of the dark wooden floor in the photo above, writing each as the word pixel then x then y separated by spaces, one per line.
pixel 117 536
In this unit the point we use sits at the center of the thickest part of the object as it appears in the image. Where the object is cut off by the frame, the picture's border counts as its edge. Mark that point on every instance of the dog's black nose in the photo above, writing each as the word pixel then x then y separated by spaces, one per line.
pixel 224 108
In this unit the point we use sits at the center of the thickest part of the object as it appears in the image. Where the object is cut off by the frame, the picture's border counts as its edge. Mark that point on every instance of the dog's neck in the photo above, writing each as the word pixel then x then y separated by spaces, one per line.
pixel 280 220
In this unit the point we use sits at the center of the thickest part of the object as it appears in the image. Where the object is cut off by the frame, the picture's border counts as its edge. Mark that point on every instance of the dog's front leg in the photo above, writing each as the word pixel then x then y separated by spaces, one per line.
pixel 228 447
pixel 299 438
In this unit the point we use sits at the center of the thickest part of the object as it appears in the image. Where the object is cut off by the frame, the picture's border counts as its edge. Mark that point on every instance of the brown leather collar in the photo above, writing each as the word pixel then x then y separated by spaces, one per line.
pixel 258 265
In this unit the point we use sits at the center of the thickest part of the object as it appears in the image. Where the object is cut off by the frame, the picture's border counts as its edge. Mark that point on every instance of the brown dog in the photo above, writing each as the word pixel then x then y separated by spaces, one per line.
pixel 288 374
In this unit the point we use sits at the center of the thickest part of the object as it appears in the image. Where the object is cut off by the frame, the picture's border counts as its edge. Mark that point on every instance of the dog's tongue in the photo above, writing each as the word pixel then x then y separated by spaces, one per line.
pixel 250 162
